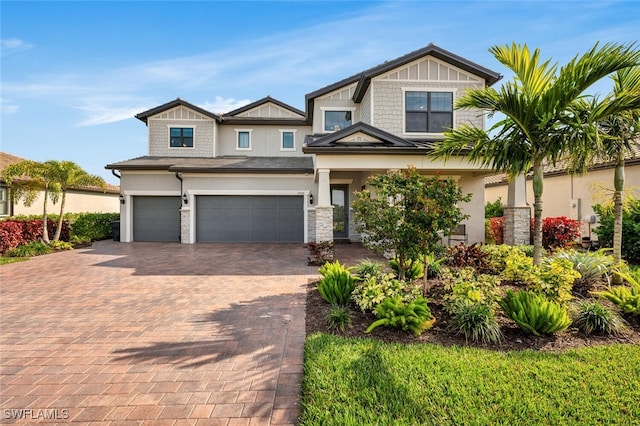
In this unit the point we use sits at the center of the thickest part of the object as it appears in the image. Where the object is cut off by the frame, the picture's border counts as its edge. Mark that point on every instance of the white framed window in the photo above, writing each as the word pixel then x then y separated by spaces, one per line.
pixel 181 137
pixel 287 140
pixel 336 118
pixel 427 110
pixel 243 139
pixel 4 202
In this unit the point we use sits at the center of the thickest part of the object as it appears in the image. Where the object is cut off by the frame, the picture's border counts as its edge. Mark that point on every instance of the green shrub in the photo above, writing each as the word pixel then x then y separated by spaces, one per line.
pixel 519 269
pixel 374 289
pixel 434 265
pixel 476 321
pixel 338 317
pixel 465 286
pixel 416 270
pixel 414 316
pixel 630 229
pixel 591 316
pixel 60 245
pixel 556 279
pixel 497 255
pixel 34 248
pixel 495 209
pixel 534 313
pixel 627 299
pixel 94 226
pixel 590 264
pixel 337 283
pixel 368 267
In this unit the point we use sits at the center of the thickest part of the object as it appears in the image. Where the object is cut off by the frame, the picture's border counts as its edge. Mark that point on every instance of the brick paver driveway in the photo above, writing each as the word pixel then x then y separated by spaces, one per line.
pixel 154 333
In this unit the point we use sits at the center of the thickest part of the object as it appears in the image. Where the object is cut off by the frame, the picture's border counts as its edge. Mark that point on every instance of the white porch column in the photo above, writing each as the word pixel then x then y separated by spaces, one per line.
pixel 517 214
pixel 324 209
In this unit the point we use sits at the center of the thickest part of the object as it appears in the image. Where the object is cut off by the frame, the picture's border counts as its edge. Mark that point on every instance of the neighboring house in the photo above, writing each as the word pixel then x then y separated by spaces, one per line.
pixel 570 195
pixel 270 172
pixel 88 199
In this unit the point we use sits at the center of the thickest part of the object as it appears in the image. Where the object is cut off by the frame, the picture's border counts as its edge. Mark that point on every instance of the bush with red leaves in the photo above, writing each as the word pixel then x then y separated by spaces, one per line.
pixel 497 232
pixel 558 232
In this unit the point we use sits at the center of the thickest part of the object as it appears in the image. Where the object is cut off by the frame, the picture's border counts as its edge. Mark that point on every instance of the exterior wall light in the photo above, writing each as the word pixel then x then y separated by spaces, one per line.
pixel 121 198
pixel 311 198
pixel 185 198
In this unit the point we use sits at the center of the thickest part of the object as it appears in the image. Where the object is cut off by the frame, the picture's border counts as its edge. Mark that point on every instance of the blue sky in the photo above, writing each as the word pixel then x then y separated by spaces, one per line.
pixel 74 74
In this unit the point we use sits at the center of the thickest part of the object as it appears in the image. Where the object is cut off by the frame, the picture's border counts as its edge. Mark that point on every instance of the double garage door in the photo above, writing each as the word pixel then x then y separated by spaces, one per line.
pixel 222 218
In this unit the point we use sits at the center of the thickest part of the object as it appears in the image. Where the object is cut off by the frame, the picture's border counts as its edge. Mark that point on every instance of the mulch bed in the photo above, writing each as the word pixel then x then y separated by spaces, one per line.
pixel 514 337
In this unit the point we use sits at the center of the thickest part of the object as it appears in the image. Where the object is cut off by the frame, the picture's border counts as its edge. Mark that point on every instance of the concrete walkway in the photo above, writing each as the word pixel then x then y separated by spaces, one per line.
pixel 154 333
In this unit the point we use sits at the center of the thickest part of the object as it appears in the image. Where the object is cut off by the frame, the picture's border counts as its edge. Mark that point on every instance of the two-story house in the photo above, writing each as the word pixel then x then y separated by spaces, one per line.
pixel 270 172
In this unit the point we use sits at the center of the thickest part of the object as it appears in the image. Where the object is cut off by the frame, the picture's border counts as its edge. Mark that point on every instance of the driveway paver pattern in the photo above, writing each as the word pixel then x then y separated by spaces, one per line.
pixel 154 333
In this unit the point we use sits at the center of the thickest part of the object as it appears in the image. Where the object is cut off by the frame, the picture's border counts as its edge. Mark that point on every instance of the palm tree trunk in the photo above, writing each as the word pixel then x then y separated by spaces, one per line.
pixel 45 230
pixel 59 227
pixel 537 212
pixel 618 184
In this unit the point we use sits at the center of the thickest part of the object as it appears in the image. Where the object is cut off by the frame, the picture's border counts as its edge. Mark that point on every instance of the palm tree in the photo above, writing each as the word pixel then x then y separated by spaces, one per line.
pixel 618 130
pixel 68 175
pixel 26 179
pixel 539 106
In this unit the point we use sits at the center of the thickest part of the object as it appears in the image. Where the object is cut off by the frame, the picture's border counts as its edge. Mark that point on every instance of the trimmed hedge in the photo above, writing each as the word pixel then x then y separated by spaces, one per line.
pixel 14 233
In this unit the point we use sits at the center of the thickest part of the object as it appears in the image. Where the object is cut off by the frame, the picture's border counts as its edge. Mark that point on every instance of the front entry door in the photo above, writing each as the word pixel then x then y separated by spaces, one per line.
pixel 340 203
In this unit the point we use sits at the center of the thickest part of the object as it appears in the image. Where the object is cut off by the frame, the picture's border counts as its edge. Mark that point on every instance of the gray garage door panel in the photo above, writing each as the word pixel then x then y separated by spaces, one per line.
pixel 242 218
pixel 156 218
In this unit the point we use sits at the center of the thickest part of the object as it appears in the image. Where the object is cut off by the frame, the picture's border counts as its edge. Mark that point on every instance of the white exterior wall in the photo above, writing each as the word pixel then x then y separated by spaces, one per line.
pixel 561 191
pixel 266 141
pixel 76 202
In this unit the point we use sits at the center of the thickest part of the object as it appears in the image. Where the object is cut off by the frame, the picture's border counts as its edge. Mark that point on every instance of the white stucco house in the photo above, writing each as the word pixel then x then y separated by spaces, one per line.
pixel 271 172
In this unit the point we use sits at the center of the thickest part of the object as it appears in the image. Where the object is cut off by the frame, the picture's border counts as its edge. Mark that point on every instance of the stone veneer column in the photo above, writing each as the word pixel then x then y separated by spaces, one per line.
pixel 517 225
pixel 517 214
pixel 185 225
pixel 324 223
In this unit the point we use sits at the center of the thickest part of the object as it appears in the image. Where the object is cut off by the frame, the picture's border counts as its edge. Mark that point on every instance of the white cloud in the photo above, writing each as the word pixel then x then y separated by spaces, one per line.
pixel 7 108
pixel 221 105
pixel 10 46
pixel 103 115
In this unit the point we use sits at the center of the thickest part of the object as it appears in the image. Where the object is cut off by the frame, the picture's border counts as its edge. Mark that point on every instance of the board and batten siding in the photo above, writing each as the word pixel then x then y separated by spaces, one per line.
pixel 203 133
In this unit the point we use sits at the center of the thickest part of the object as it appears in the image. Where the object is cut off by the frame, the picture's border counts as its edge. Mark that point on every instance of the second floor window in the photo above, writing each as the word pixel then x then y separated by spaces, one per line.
pixel 428 112
pixel 287 140
pixel 336 120
pixel 181 137
pixel 244 140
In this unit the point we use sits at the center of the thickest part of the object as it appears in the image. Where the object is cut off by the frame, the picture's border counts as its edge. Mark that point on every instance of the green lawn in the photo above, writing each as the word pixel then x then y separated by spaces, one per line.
pixel 6 260
pixel 366 382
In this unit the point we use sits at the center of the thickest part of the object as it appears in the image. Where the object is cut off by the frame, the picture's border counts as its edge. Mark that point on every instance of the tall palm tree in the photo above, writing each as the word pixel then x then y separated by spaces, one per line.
pixel 539 106
pixel 69 175
pixel 618 132
pixel 26 179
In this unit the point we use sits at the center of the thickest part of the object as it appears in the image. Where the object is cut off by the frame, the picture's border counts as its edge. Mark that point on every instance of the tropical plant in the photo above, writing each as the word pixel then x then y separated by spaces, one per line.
pixel 534 313
pixel 26 179
pixel 462 256
pixel 519 269
pixel 476 322
pixel 618 129
pixel 590 264
pixel 414 271
pixel 368 267
pixel 60 245
pixel 338 317
pixel 591 316
pixel 540 124
pixel 34 248
pixel 407 214
pixel 627 299
pixel 374 289
pixel 68 175
pixel 559 232
pixel 336 284
pixel 497 254
pixel 414 316
pixel 630 228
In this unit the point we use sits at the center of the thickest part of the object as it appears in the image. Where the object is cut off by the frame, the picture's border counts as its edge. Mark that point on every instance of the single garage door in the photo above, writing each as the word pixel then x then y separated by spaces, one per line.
pixel 156 218
pixel 255 218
